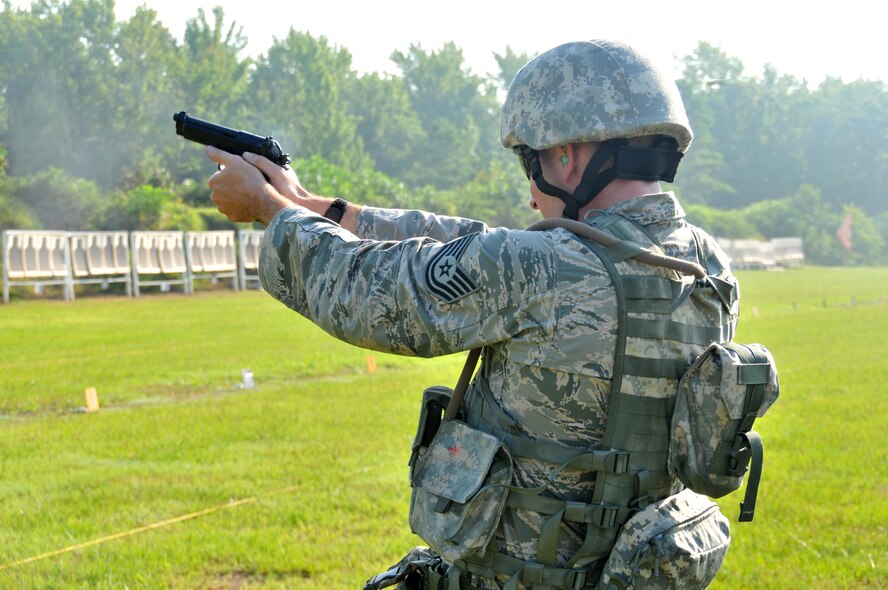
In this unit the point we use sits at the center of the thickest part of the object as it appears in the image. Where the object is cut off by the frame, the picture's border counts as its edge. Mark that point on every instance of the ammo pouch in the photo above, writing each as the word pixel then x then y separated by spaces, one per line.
pixel 676 543
pixel 712 445
pixel 460 478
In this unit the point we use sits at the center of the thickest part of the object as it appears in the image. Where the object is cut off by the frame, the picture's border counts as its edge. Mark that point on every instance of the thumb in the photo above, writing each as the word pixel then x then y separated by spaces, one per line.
pixel 268 167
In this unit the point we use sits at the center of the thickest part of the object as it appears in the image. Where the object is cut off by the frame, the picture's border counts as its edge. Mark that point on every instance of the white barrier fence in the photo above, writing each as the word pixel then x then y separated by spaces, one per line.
pixel 165 259
pixel 776 252
pixel 248 256
pixel 138 259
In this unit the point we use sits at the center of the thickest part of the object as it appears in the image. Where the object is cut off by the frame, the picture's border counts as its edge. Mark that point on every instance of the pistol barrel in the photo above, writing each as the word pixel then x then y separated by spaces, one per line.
pixel 231 140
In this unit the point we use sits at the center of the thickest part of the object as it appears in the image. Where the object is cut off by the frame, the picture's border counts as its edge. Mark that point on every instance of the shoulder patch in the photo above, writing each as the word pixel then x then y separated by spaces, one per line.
pixel 444 276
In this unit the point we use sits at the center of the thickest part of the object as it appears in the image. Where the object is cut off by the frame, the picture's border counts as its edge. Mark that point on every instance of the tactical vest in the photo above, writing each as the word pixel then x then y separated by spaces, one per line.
pixel 675 314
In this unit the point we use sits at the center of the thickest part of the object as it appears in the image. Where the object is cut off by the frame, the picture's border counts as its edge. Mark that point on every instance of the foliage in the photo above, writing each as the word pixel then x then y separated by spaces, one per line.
pixel 93 96
pixel 363 186
pixel 295 90
pixel 459 114
pixel 147 207
pixel 509 63
pixel 56 200
pixel 498 196
pixel 720 223
pixel 387 123
pixel 13 214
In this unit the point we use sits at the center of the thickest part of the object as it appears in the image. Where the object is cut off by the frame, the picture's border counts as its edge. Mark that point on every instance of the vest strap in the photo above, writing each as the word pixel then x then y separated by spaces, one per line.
pixel 654 368
pixel 536 575
pixel 661 329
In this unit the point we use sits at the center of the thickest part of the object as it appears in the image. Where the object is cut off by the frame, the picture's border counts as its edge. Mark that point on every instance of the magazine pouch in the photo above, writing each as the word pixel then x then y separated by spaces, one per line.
pixel 712 444
pixel 459 488
pixel 676 543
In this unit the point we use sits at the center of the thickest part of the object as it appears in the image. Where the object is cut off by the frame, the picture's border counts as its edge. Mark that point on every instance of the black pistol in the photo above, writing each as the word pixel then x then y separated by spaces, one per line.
pixel 232 141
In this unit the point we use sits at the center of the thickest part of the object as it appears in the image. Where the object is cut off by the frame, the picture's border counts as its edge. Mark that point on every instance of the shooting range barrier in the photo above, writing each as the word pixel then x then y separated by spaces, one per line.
pixel 159 260
pixel 37 259
pixel 138 259
pixel 100 258
pixel 211 254
pixel 166 259
pixel 758 254
pixel 248 256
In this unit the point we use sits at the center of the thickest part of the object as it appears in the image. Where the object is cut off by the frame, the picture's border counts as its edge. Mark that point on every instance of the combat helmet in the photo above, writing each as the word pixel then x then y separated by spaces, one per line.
pixel 595 91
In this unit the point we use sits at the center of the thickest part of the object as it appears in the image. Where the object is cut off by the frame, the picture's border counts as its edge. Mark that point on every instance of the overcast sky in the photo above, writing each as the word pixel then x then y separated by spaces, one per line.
pixel 809 40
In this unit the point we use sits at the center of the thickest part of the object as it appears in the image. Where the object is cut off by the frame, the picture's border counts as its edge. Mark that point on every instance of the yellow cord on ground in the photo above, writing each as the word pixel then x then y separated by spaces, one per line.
pixel 142 529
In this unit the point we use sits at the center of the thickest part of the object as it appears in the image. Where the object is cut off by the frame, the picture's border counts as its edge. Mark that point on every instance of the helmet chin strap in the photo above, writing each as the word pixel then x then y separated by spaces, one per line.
pixel 630 162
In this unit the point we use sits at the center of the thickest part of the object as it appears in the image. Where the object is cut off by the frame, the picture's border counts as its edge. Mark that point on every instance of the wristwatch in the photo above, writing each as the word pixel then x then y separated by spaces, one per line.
pixel 336 210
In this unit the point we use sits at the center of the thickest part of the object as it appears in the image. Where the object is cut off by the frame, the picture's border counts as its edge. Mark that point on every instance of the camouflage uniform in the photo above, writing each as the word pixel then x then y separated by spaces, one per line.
pixel 541 303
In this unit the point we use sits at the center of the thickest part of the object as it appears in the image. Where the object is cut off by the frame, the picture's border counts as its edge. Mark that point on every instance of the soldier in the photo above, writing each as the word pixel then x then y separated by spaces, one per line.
pixel 596 127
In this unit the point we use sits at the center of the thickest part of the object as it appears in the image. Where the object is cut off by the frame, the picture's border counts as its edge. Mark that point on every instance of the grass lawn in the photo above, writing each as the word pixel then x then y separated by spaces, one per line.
pixel 302 481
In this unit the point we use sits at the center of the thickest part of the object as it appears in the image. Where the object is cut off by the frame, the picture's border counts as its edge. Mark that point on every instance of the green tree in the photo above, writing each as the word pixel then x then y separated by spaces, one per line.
pixel 459 113
pixel 509 63
pixel 150 208
pixel 58 91
pixel 867 240
pixel 745 147
pixel 805 214
pixel 57 200
pixel 389 128
pixel 847 143
pixel 147 66
pixel 213 79
pixel 365 186
pixel 497 196
pixel 13 213
pixel 722 224
pixel 296 93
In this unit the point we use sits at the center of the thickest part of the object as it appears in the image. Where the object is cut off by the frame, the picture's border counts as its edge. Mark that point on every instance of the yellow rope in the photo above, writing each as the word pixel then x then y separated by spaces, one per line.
pixel 142 529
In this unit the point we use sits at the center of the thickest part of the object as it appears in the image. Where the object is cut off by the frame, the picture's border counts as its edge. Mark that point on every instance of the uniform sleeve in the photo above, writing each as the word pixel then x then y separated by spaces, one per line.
pixel 419 296
pixel 375 223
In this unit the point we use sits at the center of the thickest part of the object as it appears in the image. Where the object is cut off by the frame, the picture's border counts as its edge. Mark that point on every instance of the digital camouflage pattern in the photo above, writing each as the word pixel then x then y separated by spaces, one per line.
pixel 544 309
pixel 591 91
pixel 457 461
pixel 678 543
pixel 456 506
pixel 709 408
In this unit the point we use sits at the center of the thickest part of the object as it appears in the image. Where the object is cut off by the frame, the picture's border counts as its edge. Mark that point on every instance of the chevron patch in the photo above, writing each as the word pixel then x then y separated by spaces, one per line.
pixel 444 276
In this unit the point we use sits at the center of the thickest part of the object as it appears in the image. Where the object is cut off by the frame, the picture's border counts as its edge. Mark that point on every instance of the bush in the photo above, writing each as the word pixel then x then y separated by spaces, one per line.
pixel 150 208
pixel 13 214
pixel 57 200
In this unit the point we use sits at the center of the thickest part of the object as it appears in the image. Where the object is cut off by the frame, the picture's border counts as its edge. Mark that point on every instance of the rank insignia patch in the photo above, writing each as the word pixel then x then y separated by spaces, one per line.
pixel 445 278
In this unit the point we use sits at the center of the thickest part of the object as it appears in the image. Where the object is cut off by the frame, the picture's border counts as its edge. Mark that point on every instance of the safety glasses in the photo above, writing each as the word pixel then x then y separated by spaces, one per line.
pixel 529 159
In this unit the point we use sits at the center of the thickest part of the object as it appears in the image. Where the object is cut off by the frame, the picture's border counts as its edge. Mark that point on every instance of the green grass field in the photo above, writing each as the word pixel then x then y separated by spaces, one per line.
pixel 185 480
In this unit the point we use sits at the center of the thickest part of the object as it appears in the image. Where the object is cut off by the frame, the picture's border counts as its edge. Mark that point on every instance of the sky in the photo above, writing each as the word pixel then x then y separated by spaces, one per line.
pixel 809 40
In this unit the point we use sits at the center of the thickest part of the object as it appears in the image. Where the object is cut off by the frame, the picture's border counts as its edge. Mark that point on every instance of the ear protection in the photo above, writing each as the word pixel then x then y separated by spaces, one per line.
pixel 564 160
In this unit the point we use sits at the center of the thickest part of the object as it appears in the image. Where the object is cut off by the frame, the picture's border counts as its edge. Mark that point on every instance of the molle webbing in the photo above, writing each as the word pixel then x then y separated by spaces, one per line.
pixel 630 468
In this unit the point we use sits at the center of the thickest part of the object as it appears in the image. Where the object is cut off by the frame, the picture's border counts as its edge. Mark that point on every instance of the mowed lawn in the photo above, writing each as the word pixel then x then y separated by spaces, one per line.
pixel 185 479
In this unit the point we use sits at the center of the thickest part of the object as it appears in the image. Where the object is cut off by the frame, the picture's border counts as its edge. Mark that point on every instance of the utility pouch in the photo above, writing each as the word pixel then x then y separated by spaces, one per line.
pixel 712 443
pixel 459 488
pixel 676 543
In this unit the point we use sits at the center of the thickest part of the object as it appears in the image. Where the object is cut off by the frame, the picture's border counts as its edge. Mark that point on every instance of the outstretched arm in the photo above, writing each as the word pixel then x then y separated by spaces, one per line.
pixel 252 188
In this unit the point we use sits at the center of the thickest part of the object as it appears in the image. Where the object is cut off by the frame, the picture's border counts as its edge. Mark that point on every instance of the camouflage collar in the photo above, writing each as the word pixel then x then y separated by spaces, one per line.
pixel 649 209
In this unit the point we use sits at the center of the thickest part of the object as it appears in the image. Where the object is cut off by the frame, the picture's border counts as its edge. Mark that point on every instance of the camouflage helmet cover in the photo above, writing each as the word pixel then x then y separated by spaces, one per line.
pixel 591 91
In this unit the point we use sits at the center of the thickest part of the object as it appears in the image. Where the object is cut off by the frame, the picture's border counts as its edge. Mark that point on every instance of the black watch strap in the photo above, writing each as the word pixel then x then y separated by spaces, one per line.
pixel 336 210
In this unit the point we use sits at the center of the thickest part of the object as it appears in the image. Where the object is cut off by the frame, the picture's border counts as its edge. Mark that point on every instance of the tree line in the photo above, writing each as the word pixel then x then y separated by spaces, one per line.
pixel 87 138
